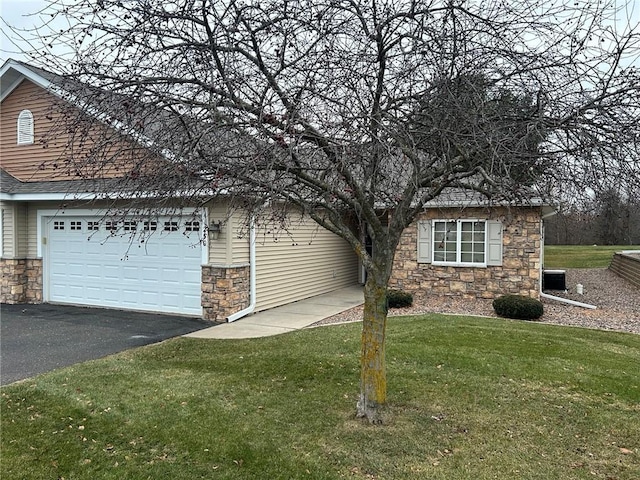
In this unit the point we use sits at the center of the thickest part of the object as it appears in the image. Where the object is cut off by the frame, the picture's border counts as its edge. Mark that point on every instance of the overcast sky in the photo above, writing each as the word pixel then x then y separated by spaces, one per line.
pixel 16 14
pixel 22 14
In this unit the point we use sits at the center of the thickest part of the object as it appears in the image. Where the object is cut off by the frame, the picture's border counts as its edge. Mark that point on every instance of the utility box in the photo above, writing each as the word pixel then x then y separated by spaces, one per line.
pixel 554 280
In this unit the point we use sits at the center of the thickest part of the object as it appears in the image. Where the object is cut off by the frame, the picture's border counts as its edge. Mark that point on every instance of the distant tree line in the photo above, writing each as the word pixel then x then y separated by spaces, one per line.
pixel 609 218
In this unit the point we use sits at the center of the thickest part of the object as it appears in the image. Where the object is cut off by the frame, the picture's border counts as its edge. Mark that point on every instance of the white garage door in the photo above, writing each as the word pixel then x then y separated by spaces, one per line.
pixel 95 261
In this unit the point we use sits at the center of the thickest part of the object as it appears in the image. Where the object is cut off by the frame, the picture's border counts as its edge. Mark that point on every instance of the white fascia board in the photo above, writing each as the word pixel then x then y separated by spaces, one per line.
pixel 69 196
pixel 25 73
pixel 35 197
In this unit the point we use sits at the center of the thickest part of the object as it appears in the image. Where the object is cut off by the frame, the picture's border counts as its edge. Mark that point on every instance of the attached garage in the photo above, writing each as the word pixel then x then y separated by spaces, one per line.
pixel 150 265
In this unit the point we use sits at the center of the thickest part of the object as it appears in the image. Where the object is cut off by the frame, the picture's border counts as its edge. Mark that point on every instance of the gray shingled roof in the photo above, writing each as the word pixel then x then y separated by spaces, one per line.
pixel 11 185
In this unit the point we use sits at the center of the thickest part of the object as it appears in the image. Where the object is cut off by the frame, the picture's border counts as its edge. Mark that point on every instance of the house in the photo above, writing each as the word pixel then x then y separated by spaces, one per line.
pixel 464 246
pixel 58 245
pixel 62 242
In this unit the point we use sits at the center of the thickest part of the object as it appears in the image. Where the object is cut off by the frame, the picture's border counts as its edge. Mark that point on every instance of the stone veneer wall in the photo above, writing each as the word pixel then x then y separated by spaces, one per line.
pixel 225 290
pixel 518 274
pixel 21 280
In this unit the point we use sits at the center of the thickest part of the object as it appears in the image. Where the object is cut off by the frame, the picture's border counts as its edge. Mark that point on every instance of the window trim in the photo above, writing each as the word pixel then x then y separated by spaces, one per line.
pixel 25 128
pixel 458 262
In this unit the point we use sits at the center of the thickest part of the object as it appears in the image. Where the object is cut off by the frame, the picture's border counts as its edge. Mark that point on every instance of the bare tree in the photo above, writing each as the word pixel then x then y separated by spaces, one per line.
pixel 349 108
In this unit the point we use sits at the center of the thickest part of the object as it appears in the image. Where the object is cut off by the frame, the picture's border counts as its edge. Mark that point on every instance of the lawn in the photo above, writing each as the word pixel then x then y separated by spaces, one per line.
pixel 582 256
pixel 469 398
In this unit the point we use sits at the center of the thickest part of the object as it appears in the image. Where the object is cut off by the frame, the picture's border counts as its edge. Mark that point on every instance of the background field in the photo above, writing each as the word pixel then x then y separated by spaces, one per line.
pixel 582 256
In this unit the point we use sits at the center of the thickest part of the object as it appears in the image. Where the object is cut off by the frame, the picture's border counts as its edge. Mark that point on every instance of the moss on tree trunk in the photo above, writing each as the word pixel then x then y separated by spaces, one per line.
pixel 373 377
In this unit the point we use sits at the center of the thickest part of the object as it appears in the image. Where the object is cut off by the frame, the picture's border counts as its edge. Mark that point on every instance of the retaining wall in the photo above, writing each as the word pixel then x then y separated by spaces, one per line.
pixel 627 266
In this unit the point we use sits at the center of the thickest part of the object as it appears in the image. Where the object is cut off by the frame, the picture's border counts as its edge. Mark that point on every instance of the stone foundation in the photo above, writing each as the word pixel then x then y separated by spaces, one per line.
pixel 21 280
pixel 225 290
pixel 519 273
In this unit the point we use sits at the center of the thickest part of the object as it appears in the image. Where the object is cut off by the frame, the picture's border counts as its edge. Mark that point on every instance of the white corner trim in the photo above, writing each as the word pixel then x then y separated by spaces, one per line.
pixel 204 235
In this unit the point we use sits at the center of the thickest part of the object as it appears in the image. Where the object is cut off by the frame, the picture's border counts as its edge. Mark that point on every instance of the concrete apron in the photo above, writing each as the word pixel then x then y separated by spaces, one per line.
pixel 287 318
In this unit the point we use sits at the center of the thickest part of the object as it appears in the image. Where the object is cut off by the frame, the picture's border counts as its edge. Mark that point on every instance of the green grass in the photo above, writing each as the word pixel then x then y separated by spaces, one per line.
pixel 469 398
pixel 582 256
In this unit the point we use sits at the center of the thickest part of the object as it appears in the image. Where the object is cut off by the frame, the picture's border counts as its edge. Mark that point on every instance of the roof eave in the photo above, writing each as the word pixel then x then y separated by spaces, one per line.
pixel 34 197
pixel 25 73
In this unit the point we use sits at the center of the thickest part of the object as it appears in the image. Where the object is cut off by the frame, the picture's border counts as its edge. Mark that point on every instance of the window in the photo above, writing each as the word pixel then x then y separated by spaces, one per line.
pixel 58 225
pixel 459 241
pixel 193 226
pixel 170 226
pixel 75 225
pixel 468 242
pixel 93 225
pixel 130 226
pixel 25 127
pixel 150 226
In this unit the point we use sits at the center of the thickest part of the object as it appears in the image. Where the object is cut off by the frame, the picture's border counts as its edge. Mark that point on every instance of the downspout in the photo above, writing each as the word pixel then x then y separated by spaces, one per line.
pixel 566 300
pixel 252 276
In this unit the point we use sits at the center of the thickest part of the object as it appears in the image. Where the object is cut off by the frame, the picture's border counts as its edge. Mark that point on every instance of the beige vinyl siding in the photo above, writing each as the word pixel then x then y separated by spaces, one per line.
pixel 232 246
pixel 7 230
pixel 21 230
pixel 32 225
pixel 15 230
pixel 306 261
pixel 219 250
pixel 240 238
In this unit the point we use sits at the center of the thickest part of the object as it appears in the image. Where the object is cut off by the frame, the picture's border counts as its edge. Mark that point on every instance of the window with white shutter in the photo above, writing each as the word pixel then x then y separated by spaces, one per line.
pixel 468 242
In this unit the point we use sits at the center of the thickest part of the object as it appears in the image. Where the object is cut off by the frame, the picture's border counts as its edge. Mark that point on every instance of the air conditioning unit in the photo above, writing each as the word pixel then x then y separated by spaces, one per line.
pixel 554 280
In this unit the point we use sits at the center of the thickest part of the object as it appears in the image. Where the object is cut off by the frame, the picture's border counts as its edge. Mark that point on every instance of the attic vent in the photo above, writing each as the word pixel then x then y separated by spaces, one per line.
pixel 25 127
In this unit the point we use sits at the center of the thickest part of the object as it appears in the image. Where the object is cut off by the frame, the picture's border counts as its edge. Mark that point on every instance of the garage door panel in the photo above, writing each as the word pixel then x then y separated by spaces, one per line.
pixel 129 297
pixel 75 292
pixel 130 273
pixel 149 297
pixel 149 275
pixel 170 299
pixel 161 273
pixel 93 294
pixel 93 272
pixel 111 296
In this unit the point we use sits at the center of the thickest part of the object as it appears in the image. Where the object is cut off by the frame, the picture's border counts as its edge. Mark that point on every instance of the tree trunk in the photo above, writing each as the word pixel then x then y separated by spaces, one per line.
pixel 373 377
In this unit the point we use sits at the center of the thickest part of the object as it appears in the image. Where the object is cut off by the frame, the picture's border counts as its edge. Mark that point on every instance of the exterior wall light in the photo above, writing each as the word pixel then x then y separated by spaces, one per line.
pixel 215 228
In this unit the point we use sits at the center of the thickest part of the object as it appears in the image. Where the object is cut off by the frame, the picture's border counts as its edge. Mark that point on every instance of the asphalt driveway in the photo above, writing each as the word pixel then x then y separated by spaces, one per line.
pixel 38 338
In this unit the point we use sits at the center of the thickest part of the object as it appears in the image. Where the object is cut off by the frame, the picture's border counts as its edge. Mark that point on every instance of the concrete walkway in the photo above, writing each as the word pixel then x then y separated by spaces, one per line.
pixel 287 318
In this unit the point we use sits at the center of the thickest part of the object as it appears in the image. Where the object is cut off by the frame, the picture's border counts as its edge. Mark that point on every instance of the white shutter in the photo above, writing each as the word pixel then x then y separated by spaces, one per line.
pixel 494 245
pixel 25 127
pixel 424 241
